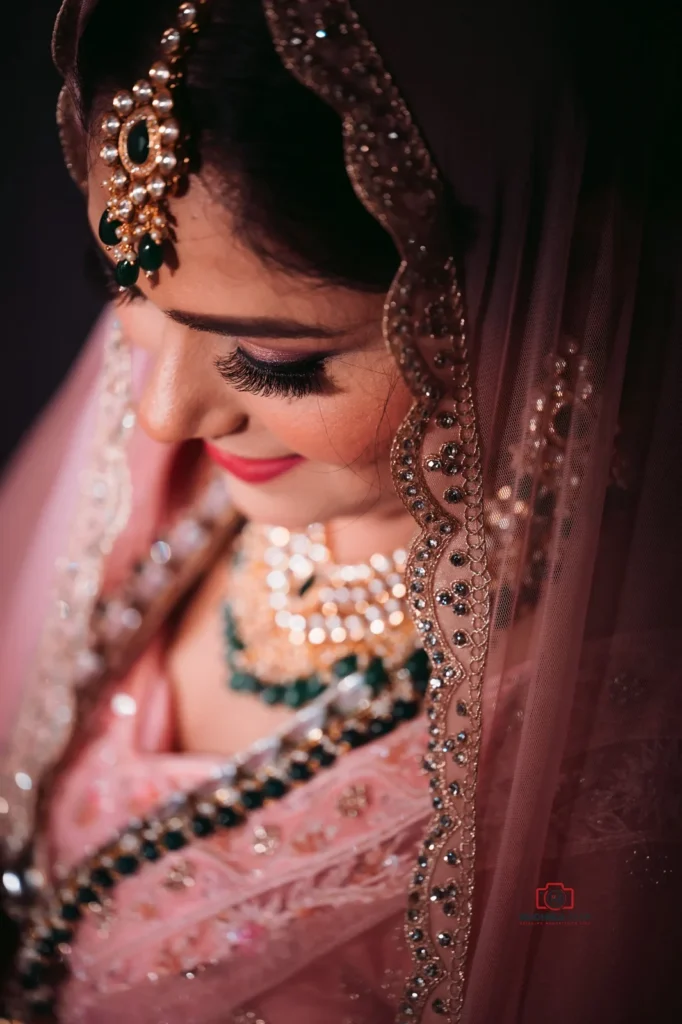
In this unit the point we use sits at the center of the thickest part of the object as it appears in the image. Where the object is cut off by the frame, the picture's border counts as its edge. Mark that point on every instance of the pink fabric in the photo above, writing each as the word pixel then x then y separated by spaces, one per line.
pixel 561 146
pixel 332 873
pixel 37 500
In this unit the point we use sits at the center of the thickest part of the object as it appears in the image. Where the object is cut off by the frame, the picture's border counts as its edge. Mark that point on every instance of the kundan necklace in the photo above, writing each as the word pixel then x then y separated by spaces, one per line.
pixel 296 621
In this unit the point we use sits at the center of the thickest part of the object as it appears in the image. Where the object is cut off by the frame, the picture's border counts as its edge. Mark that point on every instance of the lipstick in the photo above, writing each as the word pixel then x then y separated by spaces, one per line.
pixel 252 471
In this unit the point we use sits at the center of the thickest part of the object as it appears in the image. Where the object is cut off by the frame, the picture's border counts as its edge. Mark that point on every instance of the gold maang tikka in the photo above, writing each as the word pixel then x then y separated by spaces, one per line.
pixel 146 149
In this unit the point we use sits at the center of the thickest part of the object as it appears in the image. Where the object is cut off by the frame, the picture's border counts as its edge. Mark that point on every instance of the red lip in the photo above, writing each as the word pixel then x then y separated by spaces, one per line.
pixel 252 471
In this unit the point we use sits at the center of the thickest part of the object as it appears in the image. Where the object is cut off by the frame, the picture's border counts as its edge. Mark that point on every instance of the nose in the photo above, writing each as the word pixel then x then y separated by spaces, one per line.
pixel 184 397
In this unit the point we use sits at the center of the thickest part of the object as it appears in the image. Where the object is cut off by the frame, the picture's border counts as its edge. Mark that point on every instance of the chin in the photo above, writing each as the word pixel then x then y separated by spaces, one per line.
pixel 293 508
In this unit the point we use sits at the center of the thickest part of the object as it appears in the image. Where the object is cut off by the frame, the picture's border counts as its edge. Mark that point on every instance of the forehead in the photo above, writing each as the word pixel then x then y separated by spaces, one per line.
pixel 216 272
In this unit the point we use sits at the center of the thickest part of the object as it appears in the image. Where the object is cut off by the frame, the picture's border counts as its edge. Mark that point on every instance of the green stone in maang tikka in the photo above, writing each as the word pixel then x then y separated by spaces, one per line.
pixel 127 273
pixel 107 230
pixel 150 254
pixel 138 143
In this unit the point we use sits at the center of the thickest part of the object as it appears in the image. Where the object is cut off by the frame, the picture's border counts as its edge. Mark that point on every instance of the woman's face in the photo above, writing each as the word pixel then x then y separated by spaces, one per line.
pixel 286 380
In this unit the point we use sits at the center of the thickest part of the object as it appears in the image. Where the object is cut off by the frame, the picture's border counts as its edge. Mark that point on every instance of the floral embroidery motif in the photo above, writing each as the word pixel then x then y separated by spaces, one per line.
pixel 180 876
pixel 353 801
pixel 266 840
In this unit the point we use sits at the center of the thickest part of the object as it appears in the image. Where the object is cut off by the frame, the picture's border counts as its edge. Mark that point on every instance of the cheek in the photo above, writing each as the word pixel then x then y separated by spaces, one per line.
pixel 356 426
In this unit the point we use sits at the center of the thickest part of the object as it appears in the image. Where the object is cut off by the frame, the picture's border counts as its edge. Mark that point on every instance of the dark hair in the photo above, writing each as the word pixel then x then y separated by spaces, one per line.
pixel 276 146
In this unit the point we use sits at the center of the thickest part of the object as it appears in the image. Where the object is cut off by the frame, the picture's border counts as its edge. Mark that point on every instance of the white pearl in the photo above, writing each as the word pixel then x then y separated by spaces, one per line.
pixel 125 209
pixel 160 73
pixel 156 236
pixel 167 162
pixel 123 705
pixel 139 230
pixel 119 179
pixel 170 41
pixel 159 223
pixel 123 103
pixel 170 131
pixel 143 91
pixel 156 187
pixel 163 102
pixel 109 153
pixel 111 124
pixel 138 194
pixel 187 15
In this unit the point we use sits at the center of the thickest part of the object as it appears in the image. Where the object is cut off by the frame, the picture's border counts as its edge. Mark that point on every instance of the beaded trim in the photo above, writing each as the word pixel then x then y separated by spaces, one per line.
pixel 345 717
pixel 323 43
pixel 46 719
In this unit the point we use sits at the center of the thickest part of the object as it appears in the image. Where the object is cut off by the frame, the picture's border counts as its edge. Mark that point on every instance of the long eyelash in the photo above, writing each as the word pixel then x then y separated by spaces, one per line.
pixel 292 380
pixel 101 270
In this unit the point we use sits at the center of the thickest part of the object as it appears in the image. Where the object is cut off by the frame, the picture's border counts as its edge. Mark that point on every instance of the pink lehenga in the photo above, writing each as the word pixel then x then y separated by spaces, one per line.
pixel 513 855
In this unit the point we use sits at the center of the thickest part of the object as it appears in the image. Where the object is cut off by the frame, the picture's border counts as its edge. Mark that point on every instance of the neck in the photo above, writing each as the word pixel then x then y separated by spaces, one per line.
pixel 353 539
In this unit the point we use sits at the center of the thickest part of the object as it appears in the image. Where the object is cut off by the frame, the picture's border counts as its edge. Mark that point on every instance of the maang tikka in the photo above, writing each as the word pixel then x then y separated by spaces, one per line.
pixel 146 148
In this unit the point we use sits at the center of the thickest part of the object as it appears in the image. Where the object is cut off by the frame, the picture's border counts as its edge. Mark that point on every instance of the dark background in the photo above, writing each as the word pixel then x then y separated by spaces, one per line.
pixel 46 304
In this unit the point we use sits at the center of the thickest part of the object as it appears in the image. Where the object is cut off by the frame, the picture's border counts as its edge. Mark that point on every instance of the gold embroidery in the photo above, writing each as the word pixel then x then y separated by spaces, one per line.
pixel 353 801
pixel 325 46
pixel 266 840
pixel 180 876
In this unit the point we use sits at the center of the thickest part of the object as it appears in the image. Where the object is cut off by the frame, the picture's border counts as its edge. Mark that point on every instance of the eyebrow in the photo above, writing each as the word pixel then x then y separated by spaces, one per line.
pixel 253 327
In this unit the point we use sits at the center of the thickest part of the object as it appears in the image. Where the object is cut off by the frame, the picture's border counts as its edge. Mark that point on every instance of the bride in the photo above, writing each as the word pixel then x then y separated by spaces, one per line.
pixel 360 654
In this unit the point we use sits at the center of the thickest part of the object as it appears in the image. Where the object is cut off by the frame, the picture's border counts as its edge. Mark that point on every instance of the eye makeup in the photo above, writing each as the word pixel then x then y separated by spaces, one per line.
pixel 290 379
pixel 287 378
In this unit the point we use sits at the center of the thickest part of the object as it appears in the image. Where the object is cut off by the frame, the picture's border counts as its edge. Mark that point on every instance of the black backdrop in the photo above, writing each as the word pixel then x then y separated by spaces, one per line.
pixel 46 304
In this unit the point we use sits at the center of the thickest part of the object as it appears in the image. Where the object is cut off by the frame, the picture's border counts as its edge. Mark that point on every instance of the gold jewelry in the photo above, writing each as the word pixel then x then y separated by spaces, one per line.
pixel 296 614
pixel 146 148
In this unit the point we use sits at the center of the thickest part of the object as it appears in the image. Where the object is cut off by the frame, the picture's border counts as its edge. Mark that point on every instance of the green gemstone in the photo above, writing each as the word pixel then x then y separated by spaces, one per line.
pixel 273 694
pixel 418 666
pixel 296 694
pixel 107 229
pixel 150 254
pixel 174 840
pixel 315 688
pixel 345 666
pixel 231 634
pixel 244 683
pixel 127 273
pixel 376 675
pixel 126 864
pixel 138 143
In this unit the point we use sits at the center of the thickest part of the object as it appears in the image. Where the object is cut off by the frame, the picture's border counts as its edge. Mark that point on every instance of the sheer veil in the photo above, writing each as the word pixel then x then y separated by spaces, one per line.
pixel 527 161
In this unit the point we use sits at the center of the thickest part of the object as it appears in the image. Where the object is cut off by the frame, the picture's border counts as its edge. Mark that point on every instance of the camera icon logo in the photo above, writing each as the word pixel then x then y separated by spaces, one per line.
pixel 554 896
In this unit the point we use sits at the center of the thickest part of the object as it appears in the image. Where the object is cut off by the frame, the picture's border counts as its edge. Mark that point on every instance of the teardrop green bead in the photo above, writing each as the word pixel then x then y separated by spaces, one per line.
pixel 127 273
pixel 107 229
pixel 150 254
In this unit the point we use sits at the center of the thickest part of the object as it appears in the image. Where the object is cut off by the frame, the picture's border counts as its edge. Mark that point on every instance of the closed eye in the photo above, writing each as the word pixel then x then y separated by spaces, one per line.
pixel 292 379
